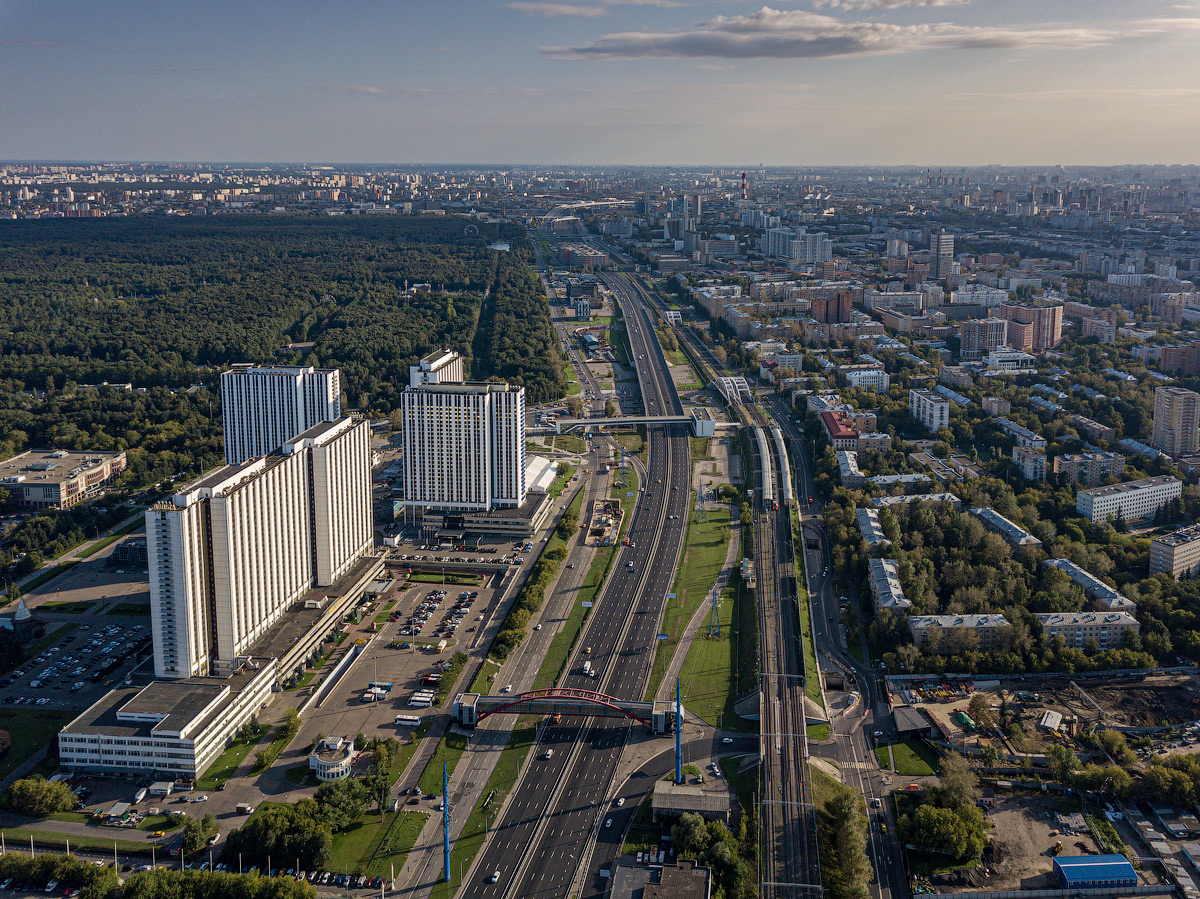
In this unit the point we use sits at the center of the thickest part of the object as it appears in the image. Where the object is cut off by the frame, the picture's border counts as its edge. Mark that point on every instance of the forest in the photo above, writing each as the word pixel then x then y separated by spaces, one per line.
pixel 163 304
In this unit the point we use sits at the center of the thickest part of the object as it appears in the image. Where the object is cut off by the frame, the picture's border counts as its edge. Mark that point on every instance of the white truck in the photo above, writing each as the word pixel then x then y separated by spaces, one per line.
pixel 587 669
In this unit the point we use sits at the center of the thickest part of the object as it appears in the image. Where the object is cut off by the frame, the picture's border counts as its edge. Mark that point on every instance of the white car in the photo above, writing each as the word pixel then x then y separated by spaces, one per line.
pixel 727 740
pixel 620 802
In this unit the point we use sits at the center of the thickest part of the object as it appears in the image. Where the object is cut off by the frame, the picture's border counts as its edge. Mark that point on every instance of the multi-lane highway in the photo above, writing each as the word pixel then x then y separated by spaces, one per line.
pixel 545 834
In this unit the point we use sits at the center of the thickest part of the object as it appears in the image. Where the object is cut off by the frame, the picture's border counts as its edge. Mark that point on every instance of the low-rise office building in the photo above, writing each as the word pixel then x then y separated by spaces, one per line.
pixel 954 633
pixel 332 759
pixel 59 479
pixel 1176 554
pixel 1131 500
pixel 1107 629
pixel 172 729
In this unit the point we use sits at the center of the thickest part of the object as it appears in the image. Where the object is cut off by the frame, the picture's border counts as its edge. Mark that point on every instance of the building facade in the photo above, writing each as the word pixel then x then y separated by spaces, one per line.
pixel 264 406
pixel 1033 329
pixel 1089 469
pixel 464 446
pixel 1176 421
pixel 1030 462
pixel 229 554
pixel 1131 500
pixel 1107 629
pixel 886 592
pixel 59 479
pixel 931 410
pixel 1176 554
pixel 980 336
pixel 441 367
pixel 954 633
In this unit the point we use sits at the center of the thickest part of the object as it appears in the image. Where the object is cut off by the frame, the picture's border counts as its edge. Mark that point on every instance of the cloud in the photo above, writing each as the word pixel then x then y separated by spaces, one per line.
pixel 29 44
pixel 798 34
pixel 883 4
pixel 555 10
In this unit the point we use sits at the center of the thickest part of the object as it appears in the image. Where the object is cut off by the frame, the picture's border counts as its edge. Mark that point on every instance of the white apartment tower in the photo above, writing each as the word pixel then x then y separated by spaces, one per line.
pixel 230 553
pixel 264 406
pixel 442 367
pixel 930 409
pixel 464 446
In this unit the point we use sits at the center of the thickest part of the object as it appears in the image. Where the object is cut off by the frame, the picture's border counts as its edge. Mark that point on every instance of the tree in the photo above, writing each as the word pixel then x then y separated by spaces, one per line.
pixel 980 710
pixel 959 834
pixel 957 787
pixel 1063 762
pixel 197 832
pixel 296 831
pixel 690 835
pixel 380 788
pixel 36 797
pixel 342 802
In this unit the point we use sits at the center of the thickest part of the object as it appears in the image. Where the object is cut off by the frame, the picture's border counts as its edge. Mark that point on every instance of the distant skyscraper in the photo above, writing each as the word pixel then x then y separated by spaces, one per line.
pixel 264 406
pixel 464 446
pixel 231 552
pixel 1176 420
pixel 941 255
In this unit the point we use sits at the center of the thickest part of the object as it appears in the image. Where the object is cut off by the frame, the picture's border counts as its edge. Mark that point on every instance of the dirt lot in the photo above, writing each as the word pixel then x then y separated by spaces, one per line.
pixel 1018 854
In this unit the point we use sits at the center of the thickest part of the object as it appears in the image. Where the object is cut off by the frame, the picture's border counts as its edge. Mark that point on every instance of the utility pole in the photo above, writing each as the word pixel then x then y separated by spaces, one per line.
pixel 446 822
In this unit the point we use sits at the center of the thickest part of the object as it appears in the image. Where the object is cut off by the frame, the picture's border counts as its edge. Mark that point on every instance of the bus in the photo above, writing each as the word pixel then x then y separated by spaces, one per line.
pixel 421 700
pixel 380 685
pixel 408 720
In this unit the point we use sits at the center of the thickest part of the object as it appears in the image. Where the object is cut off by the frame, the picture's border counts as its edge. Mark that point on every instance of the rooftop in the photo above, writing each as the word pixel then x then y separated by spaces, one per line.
pixel 1013 533
pixel 951 621
pixel 1181 537
pixel 1070 619
pixel 1131 486
pixel 51 466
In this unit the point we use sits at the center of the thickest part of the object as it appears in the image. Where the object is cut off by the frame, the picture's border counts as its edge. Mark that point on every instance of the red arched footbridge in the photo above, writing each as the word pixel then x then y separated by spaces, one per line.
pixel 471 708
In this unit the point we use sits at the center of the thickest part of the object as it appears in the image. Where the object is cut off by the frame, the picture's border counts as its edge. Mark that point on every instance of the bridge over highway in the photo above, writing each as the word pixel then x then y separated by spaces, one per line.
pixel 701 426
pixel 471 708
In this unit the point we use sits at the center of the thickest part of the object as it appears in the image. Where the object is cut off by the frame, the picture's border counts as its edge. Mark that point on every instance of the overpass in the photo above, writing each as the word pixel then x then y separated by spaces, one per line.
pixel 701 426
pixel 471 708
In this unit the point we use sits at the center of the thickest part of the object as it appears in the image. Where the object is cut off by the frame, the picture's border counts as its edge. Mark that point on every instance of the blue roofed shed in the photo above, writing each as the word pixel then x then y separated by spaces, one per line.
pixel 1092 871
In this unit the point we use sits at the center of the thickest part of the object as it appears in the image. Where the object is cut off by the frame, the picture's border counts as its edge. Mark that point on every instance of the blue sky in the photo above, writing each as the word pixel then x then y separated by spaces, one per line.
pixel 928 82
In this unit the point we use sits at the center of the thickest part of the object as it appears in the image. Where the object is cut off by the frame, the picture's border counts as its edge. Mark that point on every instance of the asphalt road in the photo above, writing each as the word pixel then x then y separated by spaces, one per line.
pixel 545 833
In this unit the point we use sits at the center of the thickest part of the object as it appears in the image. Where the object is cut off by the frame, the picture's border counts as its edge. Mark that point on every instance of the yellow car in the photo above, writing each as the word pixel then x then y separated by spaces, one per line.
pixel 158 833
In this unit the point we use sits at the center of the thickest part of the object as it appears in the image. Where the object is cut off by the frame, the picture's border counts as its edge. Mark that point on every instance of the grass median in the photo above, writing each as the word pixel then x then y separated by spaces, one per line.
pixel 112 538
pixel 449 751
pixel 228 761
pixel 47 575
pixel 703 556
pixel 500 784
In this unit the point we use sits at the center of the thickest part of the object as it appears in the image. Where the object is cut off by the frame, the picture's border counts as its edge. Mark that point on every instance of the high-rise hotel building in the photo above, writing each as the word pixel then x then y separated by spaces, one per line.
pixel 464 446
pixel 231 552
pixel 264 406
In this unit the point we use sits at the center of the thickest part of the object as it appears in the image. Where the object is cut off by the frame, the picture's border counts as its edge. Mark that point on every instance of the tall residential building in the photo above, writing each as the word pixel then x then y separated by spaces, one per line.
pixel 231 552
pixel 930 409
pixel 1033 329
pixel 1176 420
pixel 464 446
pixel 264 406
pixel 442 367
pixel 980 337
pixel 941 255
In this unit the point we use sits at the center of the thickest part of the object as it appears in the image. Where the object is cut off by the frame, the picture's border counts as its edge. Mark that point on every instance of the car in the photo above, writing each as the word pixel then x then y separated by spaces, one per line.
pixel 495 878
pixel 537 627
pixel 875 802
pixel 608 823
pixel 203 798
pixel 158 833
pixel 620 801
pixel 727 740
pixel 548 754
pixel 878 734
pixel 507 688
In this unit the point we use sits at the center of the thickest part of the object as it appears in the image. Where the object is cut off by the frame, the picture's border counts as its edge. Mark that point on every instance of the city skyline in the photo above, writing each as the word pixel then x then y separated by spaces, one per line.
pixel 595 82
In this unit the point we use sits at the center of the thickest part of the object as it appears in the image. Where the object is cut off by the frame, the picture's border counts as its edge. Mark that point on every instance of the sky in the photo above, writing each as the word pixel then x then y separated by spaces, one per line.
pixel 590 82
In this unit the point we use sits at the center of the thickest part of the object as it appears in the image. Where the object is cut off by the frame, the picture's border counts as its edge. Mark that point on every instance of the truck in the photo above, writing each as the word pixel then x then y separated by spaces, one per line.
pixel 587 669
pixel 245 808
pixel 441 647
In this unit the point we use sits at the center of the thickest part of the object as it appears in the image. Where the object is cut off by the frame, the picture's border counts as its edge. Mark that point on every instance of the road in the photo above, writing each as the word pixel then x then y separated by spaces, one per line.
pixel 545 833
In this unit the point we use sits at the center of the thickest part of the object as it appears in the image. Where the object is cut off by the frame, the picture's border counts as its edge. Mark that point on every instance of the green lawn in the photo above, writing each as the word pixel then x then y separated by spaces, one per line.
pixel 570 443
pixel 883 754
pixel 130 608
pixel 743 777
pixel 707 673
pixel 573 388
pixel 370 846
pixel 272 752
pixel 73 817
pixel 817 731
pixel 19 836
pixel 80 606
pixel 46 575
pixel 633 443
pixel 152 823
pixel 227 762
pixel 503 779
pixel 480 684
pixel 914 759
pixel 30 731
pixel 703 556
pixel 450 577
pixel 110 539
pixel 297 774
pixel 812 675
pixel 409 749
pixel 449 750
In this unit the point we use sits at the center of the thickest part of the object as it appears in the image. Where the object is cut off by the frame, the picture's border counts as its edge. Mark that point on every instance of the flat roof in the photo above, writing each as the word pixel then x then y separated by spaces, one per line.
pixel 52 466
pixel 1181 537
pixel 669 796
pixel 1130 486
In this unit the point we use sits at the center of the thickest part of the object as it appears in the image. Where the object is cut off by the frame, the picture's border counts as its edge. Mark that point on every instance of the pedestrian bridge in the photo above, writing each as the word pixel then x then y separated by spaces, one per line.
pixel 469 709
pixel 701 426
